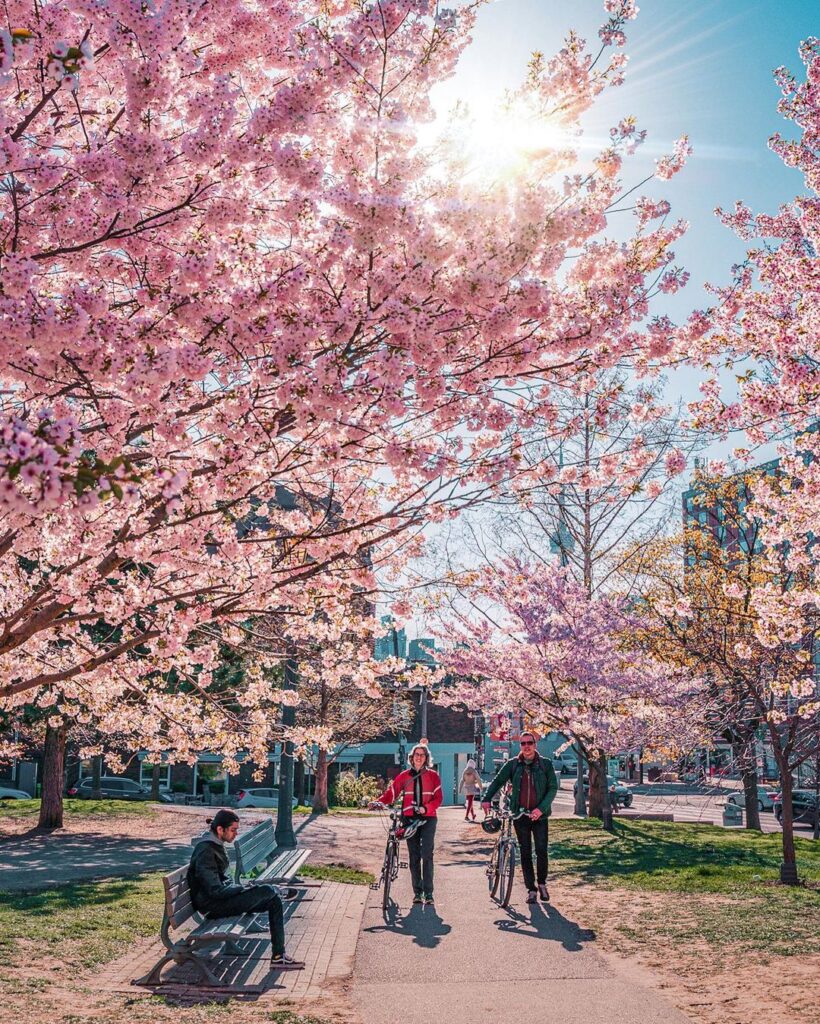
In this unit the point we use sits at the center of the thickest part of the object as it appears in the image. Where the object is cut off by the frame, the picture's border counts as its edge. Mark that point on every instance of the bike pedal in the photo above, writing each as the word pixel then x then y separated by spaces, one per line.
pixel 403 864
pixel 374 885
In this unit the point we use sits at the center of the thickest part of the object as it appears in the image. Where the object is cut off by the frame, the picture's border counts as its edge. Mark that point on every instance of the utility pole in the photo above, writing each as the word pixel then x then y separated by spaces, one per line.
pixel 558 542
pixel 284 818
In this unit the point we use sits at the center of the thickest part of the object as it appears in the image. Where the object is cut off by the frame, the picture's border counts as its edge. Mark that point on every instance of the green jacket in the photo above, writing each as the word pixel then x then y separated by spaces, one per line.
pixel 544 777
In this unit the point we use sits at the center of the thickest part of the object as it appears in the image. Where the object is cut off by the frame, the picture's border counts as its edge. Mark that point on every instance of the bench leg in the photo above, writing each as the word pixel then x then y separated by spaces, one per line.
pixel 231 949
pixel 154 976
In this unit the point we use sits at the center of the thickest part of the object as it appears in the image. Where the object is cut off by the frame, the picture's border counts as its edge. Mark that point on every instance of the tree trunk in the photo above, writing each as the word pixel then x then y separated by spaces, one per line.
pixel 749 769
pixel 320 804
pixel 96 778
pixel 606 803
pixel 51 805
pixel 155 769
pixel 597 788
pixel 299 781
pixel 788 869
pixel 580 798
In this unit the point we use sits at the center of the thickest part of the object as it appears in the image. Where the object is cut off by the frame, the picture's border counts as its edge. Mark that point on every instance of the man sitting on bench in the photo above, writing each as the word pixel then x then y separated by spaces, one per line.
pixel 215 895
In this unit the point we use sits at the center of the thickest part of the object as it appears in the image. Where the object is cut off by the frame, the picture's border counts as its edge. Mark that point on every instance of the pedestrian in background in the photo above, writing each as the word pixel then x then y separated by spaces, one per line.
pixel 470 786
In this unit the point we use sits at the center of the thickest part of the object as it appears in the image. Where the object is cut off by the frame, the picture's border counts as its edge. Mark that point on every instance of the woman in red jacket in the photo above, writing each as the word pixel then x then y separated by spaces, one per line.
pixel 420 790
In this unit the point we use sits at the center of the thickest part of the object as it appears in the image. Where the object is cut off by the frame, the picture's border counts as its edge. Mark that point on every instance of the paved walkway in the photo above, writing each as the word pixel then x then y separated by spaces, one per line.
pixel 468 960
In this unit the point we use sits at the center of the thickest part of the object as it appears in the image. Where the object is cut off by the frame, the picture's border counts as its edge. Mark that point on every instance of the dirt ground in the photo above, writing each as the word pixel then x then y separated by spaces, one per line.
pixel 725 987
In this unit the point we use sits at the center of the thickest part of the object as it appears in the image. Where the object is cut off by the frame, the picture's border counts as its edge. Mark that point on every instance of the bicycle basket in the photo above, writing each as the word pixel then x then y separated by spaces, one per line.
pixel 491 825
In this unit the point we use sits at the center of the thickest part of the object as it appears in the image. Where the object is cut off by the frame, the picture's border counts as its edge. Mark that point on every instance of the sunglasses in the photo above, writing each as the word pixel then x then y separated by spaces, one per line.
pixel 527 743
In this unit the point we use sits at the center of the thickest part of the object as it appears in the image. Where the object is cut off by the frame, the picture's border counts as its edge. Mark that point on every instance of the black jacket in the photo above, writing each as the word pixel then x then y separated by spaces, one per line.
pixel 208 875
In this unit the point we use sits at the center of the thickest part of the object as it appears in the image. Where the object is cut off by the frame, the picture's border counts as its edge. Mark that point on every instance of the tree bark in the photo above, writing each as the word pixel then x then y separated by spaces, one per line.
pixel 788 869
pixel 320 803
pixel 597 787
pixel 749 769
pixel 155 769
pixel 299 781
pixel 96 778
pixel 51 805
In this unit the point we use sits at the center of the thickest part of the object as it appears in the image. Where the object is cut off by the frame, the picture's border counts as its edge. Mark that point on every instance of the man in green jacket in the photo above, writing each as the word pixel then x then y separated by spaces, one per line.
pixel 533 787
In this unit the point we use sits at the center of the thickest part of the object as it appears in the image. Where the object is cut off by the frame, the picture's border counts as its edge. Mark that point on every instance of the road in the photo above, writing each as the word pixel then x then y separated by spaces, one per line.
pixel 694 807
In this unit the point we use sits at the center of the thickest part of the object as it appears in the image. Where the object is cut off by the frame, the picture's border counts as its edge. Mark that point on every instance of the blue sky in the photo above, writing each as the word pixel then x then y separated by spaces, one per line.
pixel 697 67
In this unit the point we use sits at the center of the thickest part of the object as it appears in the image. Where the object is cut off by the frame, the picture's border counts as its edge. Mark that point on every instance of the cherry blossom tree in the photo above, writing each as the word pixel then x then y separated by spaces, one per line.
pixel 533 640
pixel 764 327
pixel 708 603
pixel 229 267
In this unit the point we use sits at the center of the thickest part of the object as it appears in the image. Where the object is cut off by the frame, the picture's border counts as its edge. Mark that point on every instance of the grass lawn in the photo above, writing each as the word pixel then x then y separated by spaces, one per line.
pixel 78 808
pixel 86 922
pixel 725 881
pixel 337 873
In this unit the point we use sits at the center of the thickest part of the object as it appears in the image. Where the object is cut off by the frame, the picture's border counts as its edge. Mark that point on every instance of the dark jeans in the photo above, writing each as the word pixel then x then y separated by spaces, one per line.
pixel 255 898
pixel 526 829
pixel 420 857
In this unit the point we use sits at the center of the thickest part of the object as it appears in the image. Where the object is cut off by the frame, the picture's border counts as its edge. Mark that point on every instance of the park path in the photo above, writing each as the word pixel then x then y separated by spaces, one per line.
pixel 468 960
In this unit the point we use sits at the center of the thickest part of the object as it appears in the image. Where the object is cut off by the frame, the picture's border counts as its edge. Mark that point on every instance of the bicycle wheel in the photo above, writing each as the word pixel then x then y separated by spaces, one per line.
pixel 507 875
pixel 388 874
pixel 503 851
pixel 492 871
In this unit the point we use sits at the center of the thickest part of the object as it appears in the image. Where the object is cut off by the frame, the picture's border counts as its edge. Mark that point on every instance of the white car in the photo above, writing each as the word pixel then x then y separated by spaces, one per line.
pixel 259 798
pixel 765 798
pixel 13 794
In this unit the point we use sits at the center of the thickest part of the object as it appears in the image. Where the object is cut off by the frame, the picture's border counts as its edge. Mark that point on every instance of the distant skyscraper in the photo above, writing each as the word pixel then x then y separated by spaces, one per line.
pixel 393 643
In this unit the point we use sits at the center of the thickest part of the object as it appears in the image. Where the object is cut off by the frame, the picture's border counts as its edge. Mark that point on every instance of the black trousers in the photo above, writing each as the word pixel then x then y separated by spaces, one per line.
pixel 420 857
pixel 256 898
pixel 528 830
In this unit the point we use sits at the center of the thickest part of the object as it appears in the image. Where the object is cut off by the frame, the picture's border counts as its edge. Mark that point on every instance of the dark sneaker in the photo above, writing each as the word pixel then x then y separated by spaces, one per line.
pixel 532 896
pixel 543 892
pixel 418 898
pixel 288 894
pixel 428 899
pixel 285 963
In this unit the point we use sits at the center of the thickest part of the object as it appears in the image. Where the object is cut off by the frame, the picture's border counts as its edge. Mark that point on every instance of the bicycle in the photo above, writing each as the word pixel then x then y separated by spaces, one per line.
pixel 391 863
pixel 501 866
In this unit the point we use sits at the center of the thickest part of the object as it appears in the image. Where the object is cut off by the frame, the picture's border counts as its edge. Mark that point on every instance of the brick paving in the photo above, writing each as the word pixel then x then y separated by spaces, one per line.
pixel 321 929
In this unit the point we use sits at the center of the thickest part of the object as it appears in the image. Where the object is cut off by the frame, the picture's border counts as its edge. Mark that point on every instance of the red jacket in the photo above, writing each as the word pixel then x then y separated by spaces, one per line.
pixel 402 786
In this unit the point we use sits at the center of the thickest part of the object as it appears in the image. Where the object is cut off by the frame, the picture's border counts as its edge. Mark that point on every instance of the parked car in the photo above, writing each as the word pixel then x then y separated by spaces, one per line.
pixel 566 763
pixel 13 794
pixel 619 792
pixel 112 788
pixel 804 807
pixel 765 798
pixel 259 798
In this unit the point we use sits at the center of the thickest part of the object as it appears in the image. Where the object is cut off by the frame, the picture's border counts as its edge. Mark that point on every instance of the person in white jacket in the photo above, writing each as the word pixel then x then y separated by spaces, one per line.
pixel 470 786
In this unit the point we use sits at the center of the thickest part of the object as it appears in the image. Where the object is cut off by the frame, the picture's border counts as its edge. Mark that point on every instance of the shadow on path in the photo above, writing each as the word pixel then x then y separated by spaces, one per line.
pixel 551 925
pixel 37 860
pixel 422 924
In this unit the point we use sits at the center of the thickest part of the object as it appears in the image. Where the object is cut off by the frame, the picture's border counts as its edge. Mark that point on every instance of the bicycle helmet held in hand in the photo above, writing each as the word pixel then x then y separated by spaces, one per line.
pixel 409 830
pixel 491 825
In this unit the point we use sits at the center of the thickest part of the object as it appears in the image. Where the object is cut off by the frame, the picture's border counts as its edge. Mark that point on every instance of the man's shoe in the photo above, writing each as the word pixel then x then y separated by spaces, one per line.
pixel 285 963
pixel 419 897
pixel 288 894
pixel 428 899
pixel 543 892
pixel 532 896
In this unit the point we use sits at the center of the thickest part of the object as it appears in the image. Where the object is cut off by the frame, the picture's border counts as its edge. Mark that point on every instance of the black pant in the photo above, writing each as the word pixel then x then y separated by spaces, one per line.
pixel 526 829
pixel 255 898
pixel 420 857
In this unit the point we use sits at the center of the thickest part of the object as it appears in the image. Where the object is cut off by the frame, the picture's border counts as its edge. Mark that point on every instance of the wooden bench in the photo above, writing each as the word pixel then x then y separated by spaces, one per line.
pixel 207 932
pixel 258 847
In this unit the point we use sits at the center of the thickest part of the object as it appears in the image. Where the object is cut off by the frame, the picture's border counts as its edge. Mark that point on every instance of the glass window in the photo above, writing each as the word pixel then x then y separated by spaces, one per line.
pixel 146 774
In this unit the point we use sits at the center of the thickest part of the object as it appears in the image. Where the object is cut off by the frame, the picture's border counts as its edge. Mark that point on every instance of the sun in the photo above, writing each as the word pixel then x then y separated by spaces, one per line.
pixel 508 143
